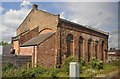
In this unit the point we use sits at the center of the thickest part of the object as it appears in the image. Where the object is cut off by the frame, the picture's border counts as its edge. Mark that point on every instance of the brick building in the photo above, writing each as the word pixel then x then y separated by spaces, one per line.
pixel 50 40
pixel 113 54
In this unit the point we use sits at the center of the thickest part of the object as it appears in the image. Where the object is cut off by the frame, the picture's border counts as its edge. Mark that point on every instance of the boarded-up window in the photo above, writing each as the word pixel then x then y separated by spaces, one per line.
pixel 89 48
pixel 96 49
pixel 80 47
pixel 102 51
pixel 69 40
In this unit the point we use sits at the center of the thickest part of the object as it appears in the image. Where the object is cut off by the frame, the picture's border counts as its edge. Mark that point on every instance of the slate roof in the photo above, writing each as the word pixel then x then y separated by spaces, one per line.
pixel 18 36
pixel 87 27
pixel 37 40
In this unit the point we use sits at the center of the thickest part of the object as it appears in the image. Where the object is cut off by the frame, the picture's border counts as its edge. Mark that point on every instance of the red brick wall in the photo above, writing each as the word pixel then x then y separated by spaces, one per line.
pixel 26 50
pixel 46 53
pixel 85 33
pixel 29 35
pixel 38 18
pixel 16 47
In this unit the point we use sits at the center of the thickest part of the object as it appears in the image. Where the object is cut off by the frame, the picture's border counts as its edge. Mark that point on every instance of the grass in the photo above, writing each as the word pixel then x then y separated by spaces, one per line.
pixel 62 74
pixel 108 68
pixel 86 74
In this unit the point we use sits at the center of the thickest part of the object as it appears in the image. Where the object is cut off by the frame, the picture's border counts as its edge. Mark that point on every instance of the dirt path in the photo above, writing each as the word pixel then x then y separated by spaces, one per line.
pixel 112 75
pixel 115 73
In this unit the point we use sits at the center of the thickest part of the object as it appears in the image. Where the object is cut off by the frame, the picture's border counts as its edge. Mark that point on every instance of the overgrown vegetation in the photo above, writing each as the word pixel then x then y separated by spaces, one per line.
pixel 96 67
pixel 96 64
pixel 65 66
pixel 91 69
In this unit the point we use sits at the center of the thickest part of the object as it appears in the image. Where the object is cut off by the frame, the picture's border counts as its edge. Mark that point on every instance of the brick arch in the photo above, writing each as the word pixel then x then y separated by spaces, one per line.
pixel 69 41
pixel 81 39
pixel 46 30
pixel 102 42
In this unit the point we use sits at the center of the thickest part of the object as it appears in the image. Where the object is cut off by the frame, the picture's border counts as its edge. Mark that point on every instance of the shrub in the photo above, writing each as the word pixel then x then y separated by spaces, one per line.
pixel 96 64
pixel 82 65
pixel 31 72
pixel 65 66
pixel 90 72
pixel 115 62
pixel 23 72
pixel 82 62
pixel 8 66
pixel 52 73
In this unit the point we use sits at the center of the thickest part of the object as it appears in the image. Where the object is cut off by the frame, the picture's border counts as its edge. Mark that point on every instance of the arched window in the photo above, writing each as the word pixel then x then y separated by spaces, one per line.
pixel 80 47
pixel 102 51
pixel 69 40
pixel 96 49
pixel 89 48
pixel 105 51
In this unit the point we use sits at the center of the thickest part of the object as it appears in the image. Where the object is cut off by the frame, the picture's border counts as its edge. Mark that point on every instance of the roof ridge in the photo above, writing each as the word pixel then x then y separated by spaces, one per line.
pixel 88 27
pixel 47 12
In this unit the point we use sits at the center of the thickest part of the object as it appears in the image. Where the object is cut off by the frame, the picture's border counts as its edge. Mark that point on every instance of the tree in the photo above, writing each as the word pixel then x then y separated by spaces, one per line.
pixel 3 43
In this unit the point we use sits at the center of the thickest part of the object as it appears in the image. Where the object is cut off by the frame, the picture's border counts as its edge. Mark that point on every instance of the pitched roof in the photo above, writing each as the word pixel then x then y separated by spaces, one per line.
pixel 18 36
pixel 87 27
pixel 38 39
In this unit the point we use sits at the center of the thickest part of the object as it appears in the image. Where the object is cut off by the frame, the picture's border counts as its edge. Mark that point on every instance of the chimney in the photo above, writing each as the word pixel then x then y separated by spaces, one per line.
pixel 35 6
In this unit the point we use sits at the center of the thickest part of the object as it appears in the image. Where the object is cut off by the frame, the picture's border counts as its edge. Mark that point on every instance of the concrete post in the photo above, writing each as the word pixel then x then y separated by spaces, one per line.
pixel 74 70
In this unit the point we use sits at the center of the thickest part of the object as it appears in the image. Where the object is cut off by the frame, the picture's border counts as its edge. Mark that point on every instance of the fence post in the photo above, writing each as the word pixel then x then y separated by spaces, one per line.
pixel 74 70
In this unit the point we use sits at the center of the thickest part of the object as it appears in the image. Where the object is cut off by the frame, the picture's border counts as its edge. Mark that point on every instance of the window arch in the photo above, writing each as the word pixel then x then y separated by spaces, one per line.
pixel 89 48
pixel 69 40
pixel 80 47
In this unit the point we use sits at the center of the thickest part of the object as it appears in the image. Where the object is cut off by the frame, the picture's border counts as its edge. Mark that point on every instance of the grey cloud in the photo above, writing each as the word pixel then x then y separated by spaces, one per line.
pixel 102 16
pixel 11 20
pixel 100 13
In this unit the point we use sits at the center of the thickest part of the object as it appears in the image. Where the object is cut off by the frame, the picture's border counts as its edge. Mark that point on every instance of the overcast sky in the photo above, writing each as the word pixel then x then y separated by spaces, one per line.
pixel 100 15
